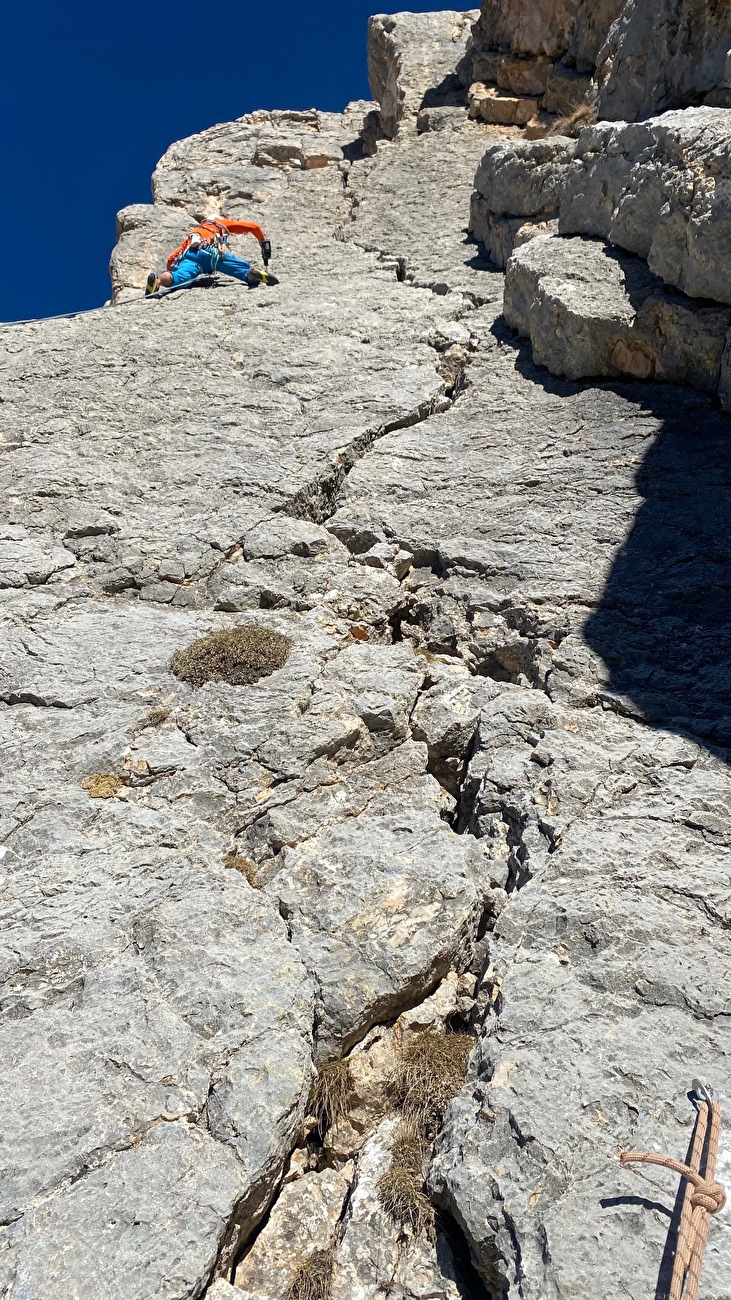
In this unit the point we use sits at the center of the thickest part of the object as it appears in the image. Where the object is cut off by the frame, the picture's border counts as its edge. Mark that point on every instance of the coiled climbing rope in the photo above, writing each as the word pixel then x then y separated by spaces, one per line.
pixel 703 1196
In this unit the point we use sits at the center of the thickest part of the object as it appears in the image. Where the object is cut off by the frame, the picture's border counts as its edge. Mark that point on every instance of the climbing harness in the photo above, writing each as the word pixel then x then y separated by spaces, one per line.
pixel 703 1196
pixel 215 246
pixel 215 243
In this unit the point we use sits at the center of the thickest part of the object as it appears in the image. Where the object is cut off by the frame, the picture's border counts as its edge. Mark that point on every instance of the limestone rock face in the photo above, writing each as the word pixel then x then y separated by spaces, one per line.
pixel 547 49
pixel 551 28
pixel 662 55
pixel 586 982
pixel 488 790
pixel 590 310
pixel 413 62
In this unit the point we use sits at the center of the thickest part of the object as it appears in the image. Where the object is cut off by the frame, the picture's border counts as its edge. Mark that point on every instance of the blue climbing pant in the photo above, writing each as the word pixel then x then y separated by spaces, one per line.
pixel 200 262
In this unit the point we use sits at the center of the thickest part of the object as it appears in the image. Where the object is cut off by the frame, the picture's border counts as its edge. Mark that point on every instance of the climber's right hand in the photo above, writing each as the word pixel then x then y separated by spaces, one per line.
pixel 266 252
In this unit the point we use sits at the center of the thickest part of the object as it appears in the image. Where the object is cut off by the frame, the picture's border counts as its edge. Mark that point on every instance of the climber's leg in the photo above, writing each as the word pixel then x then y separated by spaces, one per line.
pixel 189 266
pixel 235 266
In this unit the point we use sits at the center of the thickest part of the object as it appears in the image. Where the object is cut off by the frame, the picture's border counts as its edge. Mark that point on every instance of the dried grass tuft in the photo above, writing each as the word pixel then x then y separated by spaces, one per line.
pixel 156 717
pixel 243 865
pixel 329 1096
pixel 105 785
pixel 313 1279
pixel 239 656
pixel 401 1193
pixel 573 124
pixel 431 1071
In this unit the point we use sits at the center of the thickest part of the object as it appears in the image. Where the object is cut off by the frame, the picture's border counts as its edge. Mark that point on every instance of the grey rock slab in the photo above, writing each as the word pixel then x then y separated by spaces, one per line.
pixel 216 430
pixel 222 456
pixel 156 1214
pixel 372 1256
pixel 607 1010
pixel 592 310
pixel 662 56
pixel 572 515
pixel 411 203
pixel 413 61
pixel 381 905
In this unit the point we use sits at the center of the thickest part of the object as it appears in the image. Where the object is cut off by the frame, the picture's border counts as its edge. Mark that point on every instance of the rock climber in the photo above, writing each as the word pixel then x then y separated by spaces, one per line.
pixel 205 250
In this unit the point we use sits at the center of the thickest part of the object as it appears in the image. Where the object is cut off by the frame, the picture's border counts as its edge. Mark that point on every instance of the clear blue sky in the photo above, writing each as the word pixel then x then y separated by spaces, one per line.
pixel 91 95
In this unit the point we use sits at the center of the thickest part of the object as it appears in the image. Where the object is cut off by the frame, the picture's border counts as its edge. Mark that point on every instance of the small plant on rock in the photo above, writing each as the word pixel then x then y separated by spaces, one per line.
pixel 329 1096
pixel 401 1189
pixel 156 717
pixel 313 1279
pixel 243 865
pixel 430 1072
pixel 104 785
pixel 239 656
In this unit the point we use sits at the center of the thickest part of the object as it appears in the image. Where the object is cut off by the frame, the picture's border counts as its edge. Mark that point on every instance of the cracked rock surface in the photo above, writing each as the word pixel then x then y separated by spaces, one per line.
pixel 488 791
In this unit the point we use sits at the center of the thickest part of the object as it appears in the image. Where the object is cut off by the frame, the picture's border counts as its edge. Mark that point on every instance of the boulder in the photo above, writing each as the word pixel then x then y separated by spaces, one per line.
pixel 413 61
pixel 662 54
pixel 591 310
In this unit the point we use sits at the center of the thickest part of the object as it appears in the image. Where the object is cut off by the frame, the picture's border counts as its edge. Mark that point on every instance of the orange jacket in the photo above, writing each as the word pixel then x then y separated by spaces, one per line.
pixel 219 227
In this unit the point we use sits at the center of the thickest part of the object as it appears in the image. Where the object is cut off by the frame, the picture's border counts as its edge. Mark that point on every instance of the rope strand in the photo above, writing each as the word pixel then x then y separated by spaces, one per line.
pixel 703 1195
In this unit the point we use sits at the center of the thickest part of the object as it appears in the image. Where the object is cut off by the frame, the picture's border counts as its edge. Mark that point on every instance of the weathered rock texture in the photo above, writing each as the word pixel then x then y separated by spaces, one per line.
pixel 661 55
pixel 631 58
pixel 589 309
pixel 413 62
pixel 488 790
pixel 658 190
pixel 541 52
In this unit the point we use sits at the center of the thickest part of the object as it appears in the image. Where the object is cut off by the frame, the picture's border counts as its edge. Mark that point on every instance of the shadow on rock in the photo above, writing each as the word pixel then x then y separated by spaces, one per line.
pixel 663 623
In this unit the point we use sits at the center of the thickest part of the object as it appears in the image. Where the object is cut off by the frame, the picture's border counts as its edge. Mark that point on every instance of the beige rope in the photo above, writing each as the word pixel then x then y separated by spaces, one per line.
pixel 703 1195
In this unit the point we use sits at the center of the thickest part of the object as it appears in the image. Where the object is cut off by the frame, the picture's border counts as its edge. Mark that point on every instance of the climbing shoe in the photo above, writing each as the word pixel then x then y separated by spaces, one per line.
pixel 256 277
pixel 151 286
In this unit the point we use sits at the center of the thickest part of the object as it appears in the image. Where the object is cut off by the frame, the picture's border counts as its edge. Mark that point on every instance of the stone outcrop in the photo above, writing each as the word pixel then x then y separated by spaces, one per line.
pixel 543 52
pixel 487 792
pixel 413 62
pixel 664 55
pixel 590 310
pixel 630 58
pixel 656 189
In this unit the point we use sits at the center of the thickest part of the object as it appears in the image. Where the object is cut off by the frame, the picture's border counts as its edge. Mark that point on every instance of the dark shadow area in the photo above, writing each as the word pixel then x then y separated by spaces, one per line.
pixel 469 1282
pixel 610 1202
pixel 663 624
pixel 450 93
